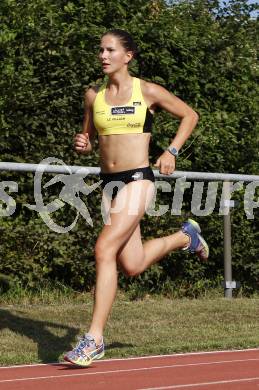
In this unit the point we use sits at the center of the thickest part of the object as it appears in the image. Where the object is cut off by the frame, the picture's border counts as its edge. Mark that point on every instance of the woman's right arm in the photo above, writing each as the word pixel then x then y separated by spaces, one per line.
pixel 83 141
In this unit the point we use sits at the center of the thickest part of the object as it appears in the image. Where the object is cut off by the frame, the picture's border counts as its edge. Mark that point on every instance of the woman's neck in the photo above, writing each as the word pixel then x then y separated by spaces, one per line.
pixel 119 79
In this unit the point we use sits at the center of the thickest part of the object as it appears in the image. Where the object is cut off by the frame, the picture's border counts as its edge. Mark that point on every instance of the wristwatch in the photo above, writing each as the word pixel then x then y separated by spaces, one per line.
pixel 173 151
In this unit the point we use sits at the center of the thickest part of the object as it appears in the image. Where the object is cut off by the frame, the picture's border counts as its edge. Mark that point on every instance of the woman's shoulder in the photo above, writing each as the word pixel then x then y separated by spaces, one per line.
pixel 150 88
pixel 151 91
pixel 93 89
pixel 90 94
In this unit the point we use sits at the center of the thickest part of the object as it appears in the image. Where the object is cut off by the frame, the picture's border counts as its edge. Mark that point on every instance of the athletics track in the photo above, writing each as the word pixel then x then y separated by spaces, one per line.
pixel 221 370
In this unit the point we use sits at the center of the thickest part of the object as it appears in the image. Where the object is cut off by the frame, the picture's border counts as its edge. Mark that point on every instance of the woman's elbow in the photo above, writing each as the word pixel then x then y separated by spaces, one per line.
pixel 195 117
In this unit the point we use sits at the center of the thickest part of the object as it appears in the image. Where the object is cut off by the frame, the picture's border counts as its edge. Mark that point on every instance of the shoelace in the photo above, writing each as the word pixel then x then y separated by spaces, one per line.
pixel 83 342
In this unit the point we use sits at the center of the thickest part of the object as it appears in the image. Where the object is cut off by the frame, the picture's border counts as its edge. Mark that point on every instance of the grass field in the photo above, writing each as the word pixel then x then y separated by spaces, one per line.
pixel 33 332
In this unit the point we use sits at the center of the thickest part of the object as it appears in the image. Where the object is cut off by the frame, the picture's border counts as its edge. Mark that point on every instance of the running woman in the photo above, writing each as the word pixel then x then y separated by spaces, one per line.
pixel 121 112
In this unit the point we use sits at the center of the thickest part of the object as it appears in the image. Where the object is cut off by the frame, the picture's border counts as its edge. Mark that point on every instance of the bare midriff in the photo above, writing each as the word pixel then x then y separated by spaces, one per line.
pixel 121 152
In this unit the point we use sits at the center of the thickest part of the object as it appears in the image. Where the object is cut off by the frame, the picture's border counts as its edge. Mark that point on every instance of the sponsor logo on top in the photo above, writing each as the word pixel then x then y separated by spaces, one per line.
pixel 122 110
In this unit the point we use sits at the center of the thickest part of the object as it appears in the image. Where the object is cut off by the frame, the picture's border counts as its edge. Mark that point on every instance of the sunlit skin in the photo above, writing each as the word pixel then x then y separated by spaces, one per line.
pixel 113 56
pixel 114 60
pixel 120 243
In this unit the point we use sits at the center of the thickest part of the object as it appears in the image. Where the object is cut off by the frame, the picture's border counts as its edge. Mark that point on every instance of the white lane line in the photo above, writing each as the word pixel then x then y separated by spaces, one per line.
pixel 201 384
pixel 124 370
pixel 140 357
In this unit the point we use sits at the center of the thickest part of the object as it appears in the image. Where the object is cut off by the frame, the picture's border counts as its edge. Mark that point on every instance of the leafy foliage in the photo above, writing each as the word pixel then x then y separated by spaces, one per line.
pixel 203 52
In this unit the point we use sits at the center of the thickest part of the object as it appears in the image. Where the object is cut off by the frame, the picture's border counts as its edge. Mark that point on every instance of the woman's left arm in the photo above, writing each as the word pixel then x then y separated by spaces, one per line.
pixel 160 97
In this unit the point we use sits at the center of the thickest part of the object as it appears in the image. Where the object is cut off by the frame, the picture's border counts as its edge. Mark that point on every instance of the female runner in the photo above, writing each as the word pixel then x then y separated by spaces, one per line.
pixel 121 112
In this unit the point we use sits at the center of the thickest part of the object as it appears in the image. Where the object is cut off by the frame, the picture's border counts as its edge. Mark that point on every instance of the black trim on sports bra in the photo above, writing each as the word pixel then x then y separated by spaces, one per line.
pixel 148 122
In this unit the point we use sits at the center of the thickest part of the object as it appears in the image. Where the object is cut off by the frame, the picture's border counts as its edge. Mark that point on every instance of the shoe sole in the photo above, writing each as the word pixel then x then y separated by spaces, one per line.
pixel 96 357
pixel 198 229
pixel 206 246
pixel 194 224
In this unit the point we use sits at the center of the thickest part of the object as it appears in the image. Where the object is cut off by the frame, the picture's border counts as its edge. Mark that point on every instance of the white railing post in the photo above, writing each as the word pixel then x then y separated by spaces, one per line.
pixel 227 241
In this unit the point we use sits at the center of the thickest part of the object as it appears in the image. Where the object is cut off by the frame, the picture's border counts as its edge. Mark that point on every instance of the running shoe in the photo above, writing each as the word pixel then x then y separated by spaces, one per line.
pixel 197 243
pixel 85 352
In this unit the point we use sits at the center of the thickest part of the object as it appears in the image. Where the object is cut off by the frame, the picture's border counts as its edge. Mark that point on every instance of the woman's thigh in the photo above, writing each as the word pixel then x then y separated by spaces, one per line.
pixel 124 216
pixel 131 255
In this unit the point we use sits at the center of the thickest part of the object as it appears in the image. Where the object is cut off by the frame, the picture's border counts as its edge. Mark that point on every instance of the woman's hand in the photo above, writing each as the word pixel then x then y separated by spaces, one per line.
pixel 82 143
pixel 166 163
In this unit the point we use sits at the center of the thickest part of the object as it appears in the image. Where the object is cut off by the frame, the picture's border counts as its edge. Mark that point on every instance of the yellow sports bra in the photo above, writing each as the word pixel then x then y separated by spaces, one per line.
pixel 131 118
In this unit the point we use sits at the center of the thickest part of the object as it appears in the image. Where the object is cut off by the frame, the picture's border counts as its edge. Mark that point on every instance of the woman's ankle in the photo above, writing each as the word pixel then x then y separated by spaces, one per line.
pixel 97 336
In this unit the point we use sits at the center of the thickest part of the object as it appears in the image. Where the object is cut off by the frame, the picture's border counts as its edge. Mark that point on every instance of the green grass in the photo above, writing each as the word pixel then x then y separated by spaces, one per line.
pixel 32 331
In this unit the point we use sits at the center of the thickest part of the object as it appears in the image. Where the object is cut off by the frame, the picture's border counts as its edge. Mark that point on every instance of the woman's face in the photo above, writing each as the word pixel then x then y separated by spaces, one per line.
pixel 113 56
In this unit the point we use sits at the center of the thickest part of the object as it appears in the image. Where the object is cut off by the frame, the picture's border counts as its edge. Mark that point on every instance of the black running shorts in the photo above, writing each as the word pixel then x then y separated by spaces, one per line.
pixel 125 177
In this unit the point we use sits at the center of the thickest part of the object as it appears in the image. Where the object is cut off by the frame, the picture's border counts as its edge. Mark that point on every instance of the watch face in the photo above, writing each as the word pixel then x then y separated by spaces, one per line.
pixel 173 151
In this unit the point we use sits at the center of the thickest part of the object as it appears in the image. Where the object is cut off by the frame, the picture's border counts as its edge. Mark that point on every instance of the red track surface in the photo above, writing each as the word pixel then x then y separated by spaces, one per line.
pixel 228 370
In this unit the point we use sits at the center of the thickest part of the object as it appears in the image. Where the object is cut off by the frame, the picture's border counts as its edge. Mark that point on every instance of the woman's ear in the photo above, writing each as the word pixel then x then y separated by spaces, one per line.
pixel 129 56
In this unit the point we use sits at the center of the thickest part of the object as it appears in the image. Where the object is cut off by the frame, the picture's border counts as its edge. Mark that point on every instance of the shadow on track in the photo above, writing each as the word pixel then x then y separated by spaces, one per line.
pixel 50 346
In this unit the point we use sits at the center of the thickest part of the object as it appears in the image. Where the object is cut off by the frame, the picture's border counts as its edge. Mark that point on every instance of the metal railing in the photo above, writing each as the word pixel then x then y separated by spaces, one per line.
pixel 229 284
pixel 25 167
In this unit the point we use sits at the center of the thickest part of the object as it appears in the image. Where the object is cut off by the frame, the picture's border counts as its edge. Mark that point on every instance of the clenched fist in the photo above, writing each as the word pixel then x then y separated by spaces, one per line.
pixel 82 143
pixel 166 163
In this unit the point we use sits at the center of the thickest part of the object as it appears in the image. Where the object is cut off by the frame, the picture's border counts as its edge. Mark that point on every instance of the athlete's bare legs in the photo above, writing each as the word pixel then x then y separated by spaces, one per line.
pixel 121 242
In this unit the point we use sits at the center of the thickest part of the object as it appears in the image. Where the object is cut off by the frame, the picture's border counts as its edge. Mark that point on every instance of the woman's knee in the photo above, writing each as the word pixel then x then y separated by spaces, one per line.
pixel 130 269
pixel 104 251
